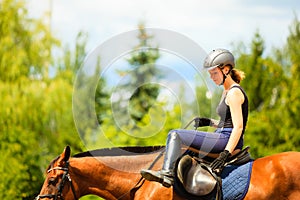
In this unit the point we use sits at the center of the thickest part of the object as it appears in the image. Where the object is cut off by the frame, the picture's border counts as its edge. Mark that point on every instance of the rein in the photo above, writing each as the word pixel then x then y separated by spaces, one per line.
pixel 65 177
pixel 141 181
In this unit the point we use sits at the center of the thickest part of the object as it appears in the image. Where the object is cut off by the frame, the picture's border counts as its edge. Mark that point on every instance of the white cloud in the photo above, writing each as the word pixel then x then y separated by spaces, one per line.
pixel 213 23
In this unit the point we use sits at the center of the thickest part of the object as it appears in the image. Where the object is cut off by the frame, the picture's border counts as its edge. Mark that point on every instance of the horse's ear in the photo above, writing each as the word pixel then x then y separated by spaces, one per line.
pixel 64 157
pixel 67 153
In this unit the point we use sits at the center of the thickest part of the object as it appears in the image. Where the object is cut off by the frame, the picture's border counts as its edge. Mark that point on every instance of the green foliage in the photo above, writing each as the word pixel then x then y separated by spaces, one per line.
pixel 101 100
pixel 151 131
pixel 263 74
pixel 292 91
pixel 36 113
pixel 85 106
pixel 18 147
pixel 273 87
pixel 71 62
pixel 25 43
pixel 34 130
pixel 143 70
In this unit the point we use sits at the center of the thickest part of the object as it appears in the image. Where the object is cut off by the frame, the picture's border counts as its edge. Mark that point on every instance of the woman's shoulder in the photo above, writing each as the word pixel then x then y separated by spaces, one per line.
pixel 235 93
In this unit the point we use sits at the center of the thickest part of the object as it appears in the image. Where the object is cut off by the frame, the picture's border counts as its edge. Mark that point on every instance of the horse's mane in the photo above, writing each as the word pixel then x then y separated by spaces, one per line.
pixel 120 151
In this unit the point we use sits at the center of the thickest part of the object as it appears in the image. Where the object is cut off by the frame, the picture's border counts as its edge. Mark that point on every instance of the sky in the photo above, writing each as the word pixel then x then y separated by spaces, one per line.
pixel 211 24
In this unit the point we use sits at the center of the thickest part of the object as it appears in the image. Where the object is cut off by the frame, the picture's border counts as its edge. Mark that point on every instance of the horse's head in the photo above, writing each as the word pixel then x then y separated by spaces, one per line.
pixel 58 182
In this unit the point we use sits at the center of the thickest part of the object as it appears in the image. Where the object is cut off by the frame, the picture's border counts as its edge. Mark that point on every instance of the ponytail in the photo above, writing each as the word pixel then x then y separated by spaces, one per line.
pixel 237 75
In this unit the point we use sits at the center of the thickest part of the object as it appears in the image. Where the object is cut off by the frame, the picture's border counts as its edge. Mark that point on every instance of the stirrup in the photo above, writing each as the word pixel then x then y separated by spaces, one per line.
pixel 166 179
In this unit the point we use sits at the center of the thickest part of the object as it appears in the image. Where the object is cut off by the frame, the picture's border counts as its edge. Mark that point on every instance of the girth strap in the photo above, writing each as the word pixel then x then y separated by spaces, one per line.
pixel 142 180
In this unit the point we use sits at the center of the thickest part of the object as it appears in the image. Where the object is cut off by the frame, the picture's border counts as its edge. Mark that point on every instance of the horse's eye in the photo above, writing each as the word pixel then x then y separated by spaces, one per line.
pixel 52 181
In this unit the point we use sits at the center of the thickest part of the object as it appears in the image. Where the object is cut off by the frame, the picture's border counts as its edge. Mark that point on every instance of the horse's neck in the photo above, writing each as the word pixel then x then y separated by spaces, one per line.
pixel 108 177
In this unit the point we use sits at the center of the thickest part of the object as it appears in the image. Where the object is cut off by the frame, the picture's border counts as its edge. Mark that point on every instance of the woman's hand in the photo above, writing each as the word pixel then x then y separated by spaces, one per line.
pixel 202 121
pixel 218 164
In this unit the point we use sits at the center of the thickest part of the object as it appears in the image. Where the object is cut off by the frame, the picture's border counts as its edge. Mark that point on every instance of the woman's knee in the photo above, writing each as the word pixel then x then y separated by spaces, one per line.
pixel 173 134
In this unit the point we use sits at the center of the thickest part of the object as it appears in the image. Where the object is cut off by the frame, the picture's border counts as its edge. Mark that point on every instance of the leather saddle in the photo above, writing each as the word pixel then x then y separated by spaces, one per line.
pixel 197 178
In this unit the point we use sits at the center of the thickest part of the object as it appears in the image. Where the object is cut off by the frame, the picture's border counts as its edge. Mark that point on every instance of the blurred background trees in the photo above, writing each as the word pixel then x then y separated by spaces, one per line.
pixel 36 119
pixel 271 83
pixel 36 114
pixel 141 74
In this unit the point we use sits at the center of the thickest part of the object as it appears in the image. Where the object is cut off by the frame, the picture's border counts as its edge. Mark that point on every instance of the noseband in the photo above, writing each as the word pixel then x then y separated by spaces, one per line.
pixel 65 177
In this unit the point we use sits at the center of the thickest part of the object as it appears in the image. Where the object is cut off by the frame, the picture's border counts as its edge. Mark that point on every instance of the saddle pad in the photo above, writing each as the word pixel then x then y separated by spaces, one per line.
pixel 235 181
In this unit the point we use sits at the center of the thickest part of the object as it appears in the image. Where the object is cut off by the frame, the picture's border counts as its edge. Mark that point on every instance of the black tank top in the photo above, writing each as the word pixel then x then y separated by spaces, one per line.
pixel 223 111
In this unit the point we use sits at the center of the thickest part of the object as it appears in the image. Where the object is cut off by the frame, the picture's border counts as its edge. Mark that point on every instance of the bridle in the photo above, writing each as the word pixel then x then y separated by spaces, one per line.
pixel 65 177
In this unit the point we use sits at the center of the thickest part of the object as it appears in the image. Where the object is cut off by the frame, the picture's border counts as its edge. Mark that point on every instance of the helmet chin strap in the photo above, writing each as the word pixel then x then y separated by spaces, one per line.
pixel 224 76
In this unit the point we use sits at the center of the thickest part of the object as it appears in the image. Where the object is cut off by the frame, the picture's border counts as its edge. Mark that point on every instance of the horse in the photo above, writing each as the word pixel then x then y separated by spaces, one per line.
pixel 112 175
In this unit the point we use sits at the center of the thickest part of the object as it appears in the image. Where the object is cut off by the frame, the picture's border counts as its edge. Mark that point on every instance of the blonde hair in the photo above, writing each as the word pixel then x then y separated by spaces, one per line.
pixel 237 75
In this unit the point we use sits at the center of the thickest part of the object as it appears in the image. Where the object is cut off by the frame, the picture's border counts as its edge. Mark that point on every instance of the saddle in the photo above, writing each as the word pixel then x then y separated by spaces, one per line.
pixel 198 180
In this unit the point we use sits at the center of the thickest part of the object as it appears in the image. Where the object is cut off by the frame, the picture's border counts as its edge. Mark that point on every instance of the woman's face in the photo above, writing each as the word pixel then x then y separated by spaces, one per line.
pixel 216 75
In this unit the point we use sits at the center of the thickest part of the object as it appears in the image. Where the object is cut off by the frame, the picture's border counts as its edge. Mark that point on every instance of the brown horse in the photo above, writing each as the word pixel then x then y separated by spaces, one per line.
pixel 113 177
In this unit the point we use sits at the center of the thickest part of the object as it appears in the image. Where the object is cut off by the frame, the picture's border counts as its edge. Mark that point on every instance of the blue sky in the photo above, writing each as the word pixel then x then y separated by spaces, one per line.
pixel 211 24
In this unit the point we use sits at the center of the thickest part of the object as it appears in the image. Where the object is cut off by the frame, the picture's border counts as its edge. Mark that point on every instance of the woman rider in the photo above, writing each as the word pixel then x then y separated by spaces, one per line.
pixel 228 137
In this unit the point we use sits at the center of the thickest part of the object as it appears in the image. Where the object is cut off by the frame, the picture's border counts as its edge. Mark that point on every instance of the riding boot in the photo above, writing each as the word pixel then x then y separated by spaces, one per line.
pixel 166 175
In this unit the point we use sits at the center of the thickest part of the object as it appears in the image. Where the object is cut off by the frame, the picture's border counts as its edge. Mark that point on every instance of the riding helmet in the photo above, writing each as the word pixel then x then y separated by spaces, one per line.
pixel 219 58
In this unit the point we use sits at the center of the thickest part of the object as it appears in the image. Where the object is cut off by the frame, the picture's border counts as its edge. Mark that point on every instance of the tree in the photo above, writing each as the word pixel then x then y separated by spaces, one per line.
pixel 290 104
pixel 36 113
pixel 260 72
pixel 273 121
pixel 292 89
pixel 102 97
pixel 143 70
pixel 25 43
pixel 24 57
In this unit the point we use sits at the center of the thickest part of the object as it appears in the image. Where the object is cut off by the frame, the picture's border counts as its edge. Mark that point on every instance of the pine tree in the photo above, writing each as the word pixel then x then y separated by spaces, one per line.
pixel 143 71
